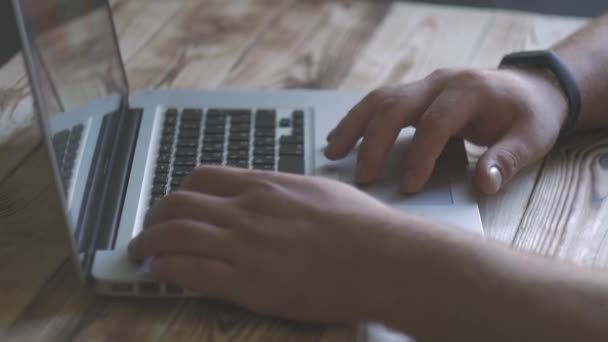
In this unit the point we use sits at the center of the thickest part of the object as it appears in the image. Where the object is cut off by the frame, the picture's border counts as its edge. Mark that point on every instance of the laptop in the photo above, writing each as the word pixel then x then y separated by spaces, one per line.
pixel 115 153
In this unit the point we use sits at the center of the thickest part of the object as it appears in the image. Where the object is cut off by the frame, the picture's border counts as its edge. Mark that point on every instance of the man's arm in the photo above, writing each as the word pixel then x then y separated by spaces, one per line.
pixel 459 288
pixel 586 53
pixel 516 113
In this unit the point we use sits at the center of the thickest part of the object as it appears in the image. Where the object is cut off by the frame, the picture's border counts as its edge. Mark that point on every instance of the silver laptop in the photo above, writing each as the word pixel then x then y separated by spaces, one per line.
pixel 116 153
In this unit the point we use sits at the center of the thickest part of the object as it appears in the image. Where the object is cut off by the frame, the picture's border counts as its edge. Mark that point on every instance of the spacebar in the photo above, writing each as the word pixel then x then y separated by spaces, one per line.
pixel 292 164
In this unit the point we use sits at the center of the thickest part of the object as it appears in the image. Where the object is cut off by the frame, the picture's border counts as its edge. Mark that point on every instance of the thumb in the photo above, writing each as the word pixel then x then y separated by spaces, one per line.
pixel 503 161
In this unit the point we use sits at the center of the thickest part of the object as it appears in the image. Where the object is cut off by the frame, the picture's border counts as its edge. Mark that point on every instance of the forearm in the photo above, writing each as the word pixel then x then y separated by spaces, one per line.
pixel 465 289
pixel 586 53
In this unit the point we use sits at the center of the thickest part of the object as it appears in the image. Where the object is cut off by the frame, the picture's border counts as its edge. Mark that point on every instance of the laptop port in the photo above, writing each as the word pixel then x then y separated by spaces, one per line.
pixel 149 289
pixel 122 288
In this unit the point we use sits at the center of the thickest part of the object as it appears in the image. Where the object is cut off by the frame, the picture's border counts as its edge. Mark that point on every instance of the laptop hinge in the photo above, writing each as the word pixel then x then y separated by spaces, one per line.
pixel 106 189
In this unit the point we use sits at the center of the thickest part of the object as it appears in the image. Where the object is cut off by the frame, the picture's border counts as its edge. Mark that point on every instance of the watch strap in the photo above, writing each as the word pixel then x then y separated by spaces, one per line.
pixel 548 59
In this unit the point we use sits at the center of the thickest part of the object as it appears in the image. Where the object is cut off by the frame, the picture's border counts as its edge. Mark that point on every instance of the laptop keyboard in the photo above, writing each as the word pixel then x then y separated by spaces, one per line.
pixel 234 137
pixel 66 144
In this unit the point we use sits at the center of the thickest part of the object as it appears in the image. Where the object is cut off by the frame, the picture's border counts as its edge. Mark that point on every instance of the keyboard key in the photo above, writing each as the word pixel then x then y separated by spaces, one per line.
pixel 213 156
pixel 242 136
pixel 216 114
pixel 291 164
pixel 186 152
pixel 185 161
pixel 298 132
pixel 266 167
pixel 213 139
pixel 238 146
pixel 240 120
pixel 264 151
pixel 162 168
pixel 190 143
pixel 265 133
pixel 264 142
pixel 238 155
pixel 215 121
pixel 189 134
pixel 215 130
pixel 213 147
pixel 192 114
pixel 285 122
pixel 181 171
pixel 291 150
pixel 239 112
pixel 171 113
pixel 164 158
pixel 165 148
pixel 155 198
pixel 297 114
pixel 177 180
pixel 159 189
pixel 190 125
pixel 265 118
pixel 212 162
pixel 285 139
pixel 244 164
pixel 161 179
pixel 240 127
pixel 269 160
pixel 166 141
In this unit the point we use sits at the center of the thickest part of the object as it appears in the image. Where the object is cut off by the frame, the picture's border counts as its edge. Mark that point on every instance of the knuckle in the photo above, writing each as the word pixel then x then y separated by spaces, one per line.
pixel 441 73
pixel 172 203
pixel 384 97
pixel 474 78
pixel 433 122
pixel 509 161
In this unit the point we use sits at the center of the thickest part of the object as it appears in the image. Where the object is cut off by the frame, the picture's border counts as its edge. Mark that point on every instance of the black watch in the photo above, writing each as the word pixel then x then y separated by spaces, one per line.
pixel 549 60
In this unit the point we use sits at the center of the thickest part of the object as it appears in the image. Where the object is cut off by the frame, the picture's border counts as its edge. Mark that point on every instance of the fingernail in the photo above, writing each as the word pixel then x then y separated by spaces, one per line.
pixel 408 182
pixel 331 135
pixel 330 150
pixel 495 179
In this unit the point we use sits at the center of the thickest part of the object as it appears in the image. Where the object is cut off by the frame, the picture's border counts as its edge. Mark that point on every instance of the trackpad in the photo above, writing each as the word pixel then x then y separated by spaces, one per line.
pixel 386 188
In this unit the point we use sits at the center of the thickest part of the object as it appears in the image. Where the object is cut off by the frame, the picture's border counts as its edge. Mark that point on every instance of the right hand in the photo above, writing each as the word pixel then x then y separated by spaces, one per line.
pixel 517 114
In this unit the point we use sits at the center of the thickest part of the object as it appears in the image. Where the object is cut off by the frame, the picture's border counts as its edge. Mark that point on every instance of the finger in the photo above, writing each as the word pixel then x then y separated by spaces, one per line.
pixel 378 139
pixel 502 161
pixel 343 138
pixel 207 277
pixel 216 180
pixel 446 116
pixel 191 206
pixel 182 237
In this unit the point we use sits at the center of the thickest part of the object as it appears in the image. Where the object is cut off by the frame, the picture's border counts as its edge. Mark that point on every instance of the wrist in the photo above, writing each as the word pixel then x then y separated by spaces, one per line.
pixel 405 284
pixel 544 85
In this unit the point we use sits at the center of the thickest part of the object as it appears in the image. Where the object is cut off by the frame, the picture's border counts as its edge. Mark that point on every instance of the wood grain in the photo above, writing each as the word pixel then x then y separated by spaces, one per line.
pixel 273 44
pixel 33 242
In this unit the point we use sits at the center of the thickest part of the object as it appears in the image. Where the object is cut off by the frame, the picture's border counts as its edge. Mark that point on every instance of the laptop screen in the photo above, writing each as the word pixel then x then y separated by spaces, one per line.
pixel 78 82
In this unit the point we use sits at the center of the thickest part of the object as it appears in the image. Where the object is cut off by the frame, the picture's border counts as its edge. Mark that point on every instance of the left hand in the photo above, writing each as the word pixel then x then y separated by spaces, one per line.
pixel 297 247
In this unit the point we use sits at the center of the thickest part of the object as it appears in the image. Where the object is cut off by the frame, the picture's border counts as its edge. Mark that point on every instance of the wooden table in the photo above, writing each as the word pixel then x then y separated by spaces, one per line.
pixel 556 208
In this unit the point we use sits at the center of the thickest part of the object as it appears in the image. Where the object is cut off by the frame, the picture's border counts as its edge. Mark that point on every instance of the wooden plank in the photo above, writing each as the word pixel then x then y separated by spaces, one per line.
pixel 568 213
pixel 313 45
pixel 203 37
pixel 414 40
pixel 237 36
pixel 33 242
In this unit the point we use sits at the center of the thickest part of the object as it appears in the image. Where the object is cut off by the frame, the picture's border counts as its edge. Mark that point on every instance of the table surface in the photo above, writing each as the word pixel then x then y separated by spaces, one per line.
pixel 556 208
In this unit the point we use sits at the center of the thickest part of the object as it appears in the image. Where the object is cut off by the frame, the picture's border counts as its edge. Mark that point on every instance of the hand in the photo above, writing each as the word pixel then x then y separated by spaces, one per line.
pixel 297 247
pixel 517 114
